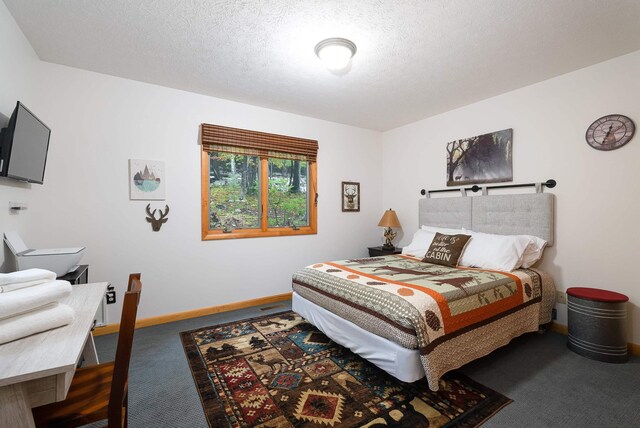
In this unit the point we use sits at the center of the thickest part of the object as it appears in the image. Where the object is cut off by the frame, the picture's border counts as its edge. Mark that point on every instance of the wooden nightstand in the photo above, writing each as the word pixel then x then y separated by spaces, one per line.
pixel 379 251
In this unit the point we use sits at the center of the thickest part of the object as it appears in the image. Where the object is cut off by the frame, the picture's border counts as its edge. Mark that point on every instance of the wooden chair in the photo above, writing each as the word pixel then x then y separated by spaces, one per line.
pixel 132 276
pixel 101 391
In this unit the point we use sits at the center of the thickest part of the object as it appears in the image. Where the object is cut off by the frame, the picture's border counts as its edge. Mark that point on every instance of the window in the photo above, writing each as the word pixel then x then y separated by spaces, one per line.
pixel 257 184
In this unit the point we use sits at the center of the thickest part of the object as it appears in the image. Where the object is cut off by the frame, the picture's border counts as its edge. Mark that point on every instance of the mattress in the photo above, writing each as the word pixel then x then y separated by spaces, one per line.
pixel 400 362
pixel 449 315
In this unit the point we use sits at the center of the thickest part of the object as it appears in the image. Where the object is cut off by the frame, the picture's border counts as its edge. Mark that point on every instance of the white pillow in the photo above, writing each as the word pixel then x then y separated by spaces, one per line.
pixel 496 252
pixel 423 238
pixel 484 250
pixel 431 230
pixel 443 230
pixel 534 251
pixel 419 243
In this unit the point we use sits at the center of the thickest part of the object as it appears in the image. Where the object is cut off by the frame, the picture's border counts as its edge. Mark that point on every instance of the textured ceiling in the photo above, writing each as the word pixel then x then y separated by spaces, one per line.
pixel 415 58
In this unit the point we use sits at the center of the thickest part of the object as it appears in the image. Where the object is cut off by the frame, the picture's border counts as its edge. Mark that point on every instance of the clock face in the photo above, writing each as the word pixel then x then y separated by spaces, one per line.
pixel 610 132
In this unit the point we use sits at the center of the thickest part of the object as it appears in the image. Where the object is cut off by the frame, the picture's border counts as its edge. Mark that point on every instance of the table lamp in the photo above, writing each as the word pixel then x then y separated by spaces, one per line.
pixel 389 220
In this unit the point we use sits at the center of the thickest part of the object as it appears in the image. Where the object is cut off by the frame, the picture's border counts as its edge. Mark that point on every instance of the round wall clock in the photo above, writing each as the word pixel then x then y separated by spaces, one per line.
pixel 610 132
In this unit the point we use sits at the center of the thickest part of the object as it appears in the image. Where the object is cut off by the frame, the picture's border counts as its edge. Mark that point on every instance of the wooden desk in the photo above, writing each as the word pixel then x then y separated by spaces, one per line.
pixel 38 369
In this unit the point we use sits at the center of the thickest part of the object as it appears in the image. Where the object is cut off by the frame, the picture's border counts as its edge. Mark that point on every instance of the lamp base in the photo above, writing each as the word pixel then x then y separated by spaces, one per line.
pixel 389 234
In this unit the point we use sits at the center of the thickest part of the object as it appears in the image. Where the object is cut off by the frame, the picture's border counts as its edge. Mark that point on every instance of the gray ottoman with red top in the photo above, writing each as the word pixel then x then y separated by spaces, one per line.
pixel 598 324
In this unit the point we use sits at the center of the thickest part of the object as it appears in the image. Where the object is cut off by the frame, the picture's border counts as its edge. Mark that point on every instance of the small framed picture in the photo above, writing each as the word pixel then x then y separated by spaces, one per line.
pixel 146 180
pixel 350 196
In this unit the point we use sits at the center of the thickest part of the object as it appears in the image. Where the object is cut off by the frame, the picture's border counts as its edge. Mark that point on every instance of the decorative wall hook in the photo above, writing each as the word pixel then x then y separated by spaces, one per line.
pixel 156 223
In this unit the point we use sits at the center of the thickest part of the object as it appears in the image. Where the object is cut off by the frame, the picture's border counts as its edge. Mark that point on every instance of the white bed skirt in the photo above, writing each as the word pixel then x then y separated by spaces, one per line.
pixel 399 362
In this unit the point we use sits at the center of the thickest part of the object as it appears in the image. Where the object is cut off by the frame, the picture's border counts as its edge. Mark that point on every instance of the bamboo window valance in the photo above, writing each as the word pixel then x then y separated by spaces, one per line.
pixel 215 138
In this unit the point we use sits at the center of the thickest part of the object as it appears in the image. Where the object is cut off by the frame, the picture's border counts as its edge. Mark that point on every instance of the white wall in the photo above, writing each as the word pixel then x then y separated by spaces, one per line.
pixel 98 122
pixel 18 81
pixel 598 193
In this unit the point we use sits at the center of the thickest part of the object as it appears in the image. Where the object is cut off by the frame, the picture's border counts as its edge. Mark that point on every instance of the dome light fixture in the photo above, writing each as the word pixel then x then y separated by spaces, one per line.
pixel 335 52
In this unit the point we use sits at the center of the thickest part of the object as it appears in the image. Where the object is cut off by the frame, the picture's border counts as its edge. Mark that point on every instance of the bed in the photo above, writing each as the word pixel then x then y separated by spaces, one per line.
pixel 416 319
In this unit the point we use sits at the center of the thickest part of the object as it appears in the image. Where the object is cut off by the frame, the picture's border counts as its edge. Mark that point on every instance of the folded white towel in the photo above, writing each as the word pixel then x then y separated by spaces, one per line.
pixel 26 276
pixel 28 299
pixel 49 316
pixel 19 285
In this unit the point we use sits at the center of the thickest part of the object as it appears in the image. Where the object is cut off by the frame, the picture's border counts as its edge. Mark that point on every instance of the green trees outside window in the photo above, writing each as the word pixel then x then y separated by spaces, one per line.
pixel 234 200
pixel 288 199
pixel 235 192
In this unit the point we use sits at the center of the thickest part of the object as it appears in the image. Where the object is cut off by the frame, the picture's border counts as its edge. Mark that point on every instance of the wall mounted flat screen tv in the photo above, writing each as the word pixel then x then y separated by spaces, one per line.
pixel 23 146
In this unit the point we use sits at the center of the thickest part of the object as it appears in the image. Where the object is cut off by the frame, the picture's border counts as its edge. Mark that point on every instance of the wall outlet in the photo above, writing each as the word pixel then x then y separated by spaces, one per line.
pixel 111 295
pixel 561 297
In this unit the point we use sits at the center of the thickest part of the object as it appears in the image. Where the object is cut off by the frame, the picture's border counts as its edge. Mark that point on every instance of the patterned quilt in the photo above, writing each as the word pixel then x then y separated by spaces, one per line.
pixel 423 306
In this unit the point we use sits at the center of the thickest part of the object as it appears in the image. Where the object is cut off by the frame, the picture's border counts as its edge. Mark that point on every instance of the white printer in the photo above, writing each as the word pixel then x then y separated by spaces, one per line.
pixel 58 260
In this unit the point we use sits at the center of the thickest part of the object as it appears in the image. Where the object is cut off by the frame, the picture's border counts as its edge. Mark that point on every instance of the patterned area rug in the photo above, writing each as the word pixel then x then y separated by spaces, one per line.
pixel 280 371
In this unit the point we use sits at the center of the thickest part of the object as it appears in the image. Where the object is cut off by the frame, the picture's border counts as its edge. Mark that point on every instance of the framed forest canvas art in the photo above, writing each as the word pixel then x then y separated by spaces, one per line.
pixel 484 158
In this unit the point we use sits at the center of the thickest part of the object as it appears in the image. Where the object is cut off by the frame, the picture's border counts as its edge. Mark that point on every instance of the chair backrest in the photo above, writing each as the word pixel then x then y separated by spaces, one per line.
pixel 132 276
pixel 119 383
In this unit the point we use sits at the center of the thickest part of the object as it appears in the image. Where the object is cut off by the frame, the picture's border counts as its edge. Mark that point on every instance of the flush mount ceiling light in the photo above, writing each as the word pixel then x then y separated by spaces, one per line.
pixel 335 53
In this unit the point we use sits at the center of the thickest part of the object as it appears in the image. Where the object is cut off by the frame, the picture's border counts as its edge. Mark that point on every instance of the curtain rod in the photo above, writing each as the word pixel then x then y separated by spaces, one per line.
pixel 550 183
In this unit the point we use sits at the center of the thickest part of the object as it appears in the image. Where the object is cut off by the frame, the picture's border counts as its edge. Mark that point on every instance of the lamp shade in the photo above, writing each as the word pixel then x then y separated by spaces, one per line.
pixel 389 219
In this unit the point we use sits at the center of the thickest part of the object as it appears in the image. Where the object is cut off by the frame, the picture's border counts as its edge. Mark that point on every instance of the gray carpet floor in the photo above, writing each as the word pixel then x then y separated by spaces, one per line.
pixel 550 385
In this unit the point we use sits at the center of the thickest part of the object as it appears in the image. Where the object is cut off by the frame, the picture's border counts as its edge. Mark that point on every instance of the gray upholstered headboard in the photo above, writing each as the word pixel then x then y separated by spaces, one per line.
pixel 526 214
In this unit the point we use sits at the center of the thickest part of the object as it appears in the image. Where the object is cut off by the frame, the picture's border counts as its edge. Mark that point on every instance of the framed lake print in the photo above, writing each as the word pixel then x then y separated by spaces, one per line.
pixel 484 158
pixel 146 180
pixel 350 196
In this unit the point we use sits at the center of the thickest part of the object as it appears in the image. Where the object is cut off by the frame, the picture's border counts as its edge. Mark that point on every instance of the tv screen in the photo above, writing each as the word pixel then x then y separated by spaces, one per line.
pixel 24 145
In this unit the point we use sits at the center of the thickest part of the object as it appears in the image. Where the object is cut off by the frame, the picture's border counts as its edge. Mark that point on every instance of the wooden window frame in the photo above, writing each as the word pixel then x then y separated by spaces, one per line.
pixel 264 230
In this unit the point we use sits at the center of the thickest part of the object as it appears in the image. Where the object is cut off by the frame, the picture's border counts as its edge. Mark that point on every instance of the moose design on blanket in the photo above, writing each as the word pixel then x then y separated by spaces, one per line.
pixel 431 303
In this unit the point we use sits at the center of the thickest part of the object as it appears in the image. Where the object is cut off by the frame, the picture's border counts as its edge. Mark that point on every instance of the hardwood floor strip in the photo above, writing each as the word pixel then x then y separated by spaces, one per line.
pixel 559 328
pixel 194 313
